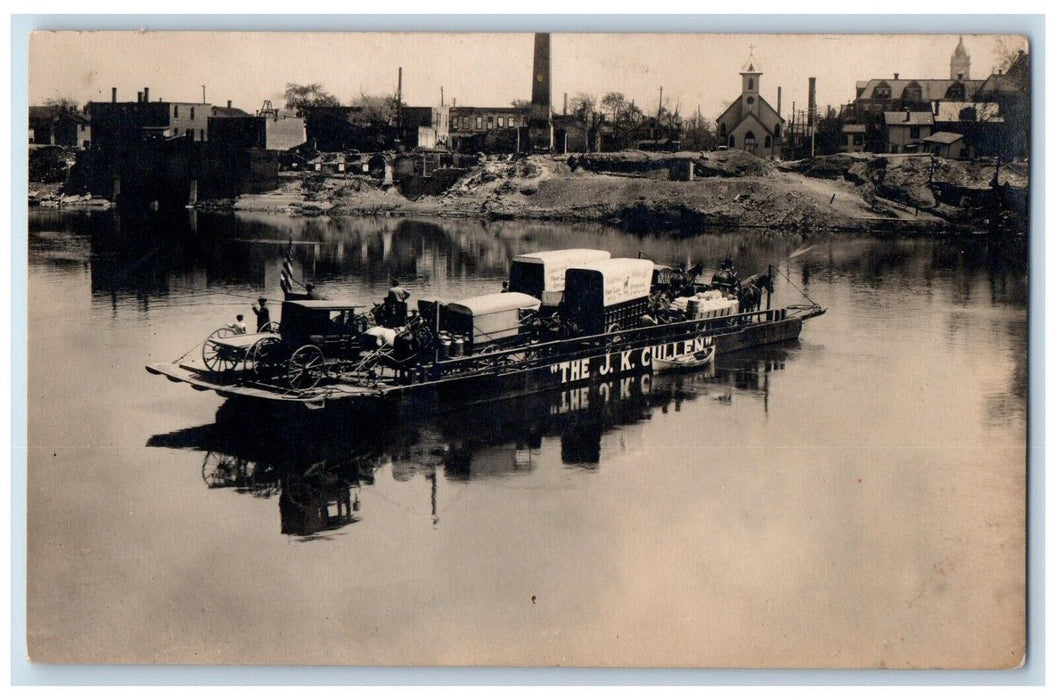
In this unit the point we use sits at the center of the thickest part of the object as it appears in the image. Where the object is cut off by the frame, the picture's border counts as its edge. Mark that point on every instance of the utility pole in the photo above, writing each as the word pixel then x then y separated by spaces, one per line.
pixel 203 94
pixel 441 95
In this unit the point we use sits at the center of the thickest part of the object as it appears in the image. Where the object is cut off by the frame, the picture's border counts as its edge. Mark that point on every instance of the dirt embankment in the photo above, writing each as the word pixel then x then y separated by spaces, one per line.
pixel 652 191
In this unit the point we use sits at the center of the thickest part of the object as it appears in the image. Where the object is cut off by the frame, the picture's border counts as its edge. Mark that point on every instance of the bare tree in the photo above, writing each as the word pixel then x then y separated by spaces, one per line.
pixel 584 108
pixel 377 110
pixel 299 97
pixel 616 104
pixel 65 104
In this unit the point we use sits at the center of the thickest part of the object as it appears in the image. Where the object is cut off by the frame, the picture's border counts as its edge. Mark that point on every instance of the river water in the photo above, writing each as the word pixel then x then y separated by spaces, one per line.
pixel 856 498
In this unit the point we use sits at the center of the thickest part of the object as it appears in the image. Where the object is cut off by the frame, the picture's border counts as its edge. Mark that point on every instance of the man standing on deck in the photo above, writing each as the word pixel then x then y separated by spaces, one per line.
pixel 396 300
pixel 263 314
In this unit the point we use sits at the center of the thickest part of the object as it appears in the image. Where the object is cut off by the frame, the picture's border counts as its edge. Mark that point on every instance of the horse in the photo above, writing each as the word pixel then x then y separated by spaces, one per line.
pixel 726 281
pixel 751 294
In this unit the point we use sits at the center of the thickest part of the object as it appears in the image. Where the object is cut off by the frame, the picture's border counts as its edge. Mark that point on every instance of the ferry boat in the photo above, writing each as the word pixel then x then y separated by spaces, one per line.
pixel 603 319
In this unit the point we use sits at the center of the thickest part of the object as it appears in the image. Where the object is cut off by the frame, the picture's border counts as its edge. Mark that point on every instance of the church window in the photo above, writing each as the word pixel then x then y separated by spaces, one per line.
pixel 768 142
pixel 750 100
pixel 751 83
pixel 733 141
pixel 722 129
pixel 777 131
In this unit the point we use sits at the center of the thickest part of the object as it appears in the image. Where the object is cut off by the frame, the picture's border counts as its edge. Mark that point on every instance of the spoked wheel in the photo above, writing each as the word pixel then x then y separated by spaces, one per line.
pixel 269 327
pixel 494 361
pixel 524 357
pixel 305 367
pixel 216 358
pixel 263 357
pixel 220 470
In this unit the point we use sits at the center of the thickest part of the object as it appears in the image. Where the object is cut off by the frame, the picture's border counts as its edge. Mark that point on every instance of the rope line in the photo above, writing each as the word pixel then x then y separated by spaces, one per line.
pixel 789 280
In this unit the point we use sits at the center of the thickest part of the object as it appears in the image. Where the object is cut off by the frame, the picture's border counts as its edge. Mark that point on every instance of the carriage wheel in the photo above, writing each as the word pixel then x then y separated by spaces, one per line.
pixel 269 327
pixel 219 470
pixel 264 357
pixel 494 361
pixel 305 367
pixel 216 359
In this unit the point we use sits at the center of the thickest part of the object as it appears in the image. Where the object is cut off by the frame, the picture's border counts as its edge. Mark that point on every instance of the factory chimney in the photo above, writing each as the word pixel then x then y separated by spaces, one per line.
pixel 146 94
pixel 540 124
pixel 139 96
pixel 812 105
pixel 113 95
pixel 779 100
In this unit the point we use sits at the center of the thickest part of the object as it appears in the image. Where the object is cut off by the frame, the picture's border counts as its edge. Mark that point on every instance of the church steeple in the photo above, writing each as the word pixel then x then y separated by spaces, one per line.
pixel 750 75
pixel 750 83
pixel 960 62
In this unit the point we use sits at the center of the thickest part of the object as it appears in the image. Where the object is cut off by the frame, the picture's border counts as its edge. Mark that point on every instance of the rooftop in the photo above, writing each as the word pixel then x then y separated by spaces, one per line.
pixel 944 137
pixel 909 118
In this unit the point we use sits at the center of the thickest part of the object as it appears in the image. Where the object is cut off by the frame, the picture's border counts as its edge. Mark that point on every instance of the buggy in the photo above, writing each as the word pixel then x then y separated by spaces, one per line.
pixel 314 338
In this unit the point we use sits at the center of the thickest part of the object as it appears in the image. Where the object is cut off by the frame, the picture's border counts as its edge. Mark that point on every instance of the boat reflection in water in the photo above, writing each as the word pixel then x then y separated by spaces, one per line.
pixel 319 466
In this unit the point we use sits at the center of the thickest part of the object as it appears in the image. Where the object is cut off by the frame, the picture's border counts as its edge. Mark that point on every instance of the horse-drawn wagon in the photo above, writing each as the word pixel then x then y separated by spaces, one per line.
pixel 314 337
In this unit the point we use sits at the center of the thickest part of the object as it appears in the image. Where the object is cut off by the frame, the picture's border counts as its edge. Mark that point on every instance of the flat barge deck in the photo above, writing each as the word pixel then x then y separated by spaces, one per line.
pixel 523 369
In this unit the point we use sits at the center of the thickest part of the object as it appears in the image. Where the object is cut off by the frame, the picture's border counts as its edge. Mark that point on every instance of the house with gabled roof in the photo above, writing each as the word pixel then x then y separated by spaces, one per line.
pixel 750 123
pixel 906 130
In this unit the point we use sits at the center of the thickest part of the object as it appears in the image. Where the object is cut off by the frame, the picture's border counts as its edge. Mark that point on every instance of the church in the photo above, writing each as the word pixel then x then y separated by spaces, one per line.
pixel 750 123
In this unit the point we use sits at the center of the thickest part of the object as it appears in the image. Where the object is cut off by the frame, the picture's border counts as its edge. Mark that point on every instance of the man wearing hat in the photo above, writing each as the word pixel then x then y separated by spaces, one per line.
pixel 263 314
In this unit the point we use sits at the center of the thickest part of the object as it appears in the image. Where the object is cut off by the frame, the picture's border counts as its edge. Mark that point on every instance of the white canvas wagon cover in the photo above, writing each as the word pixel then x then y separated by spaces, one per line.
pixel 615 281
pixel 543 272
pixel 491 316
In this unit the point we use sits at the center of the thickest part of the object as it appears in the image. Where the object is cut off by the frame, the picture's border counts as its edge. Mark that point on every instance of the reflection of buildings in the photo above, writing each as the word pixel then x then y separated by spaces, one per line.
pixel 318 464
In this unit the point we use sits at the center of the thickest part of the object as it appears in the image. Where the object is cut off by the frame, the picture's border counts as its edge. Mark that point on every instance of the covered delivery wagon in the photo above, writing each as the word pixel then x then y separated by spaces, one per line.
pixel 608 295
pixel 542 274
pixel 489 318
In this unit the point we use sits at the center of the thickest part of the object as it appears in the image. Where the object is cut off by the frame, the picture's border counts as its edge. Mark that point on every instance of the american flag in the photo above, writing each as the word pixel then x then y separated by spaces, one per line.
pixel 286 276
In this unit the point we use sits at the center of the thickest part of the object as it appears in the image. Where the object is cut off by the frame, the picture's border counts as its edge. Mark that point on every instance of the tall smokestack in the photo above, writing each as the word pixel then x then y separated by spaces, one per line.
pixel 229 104
pixel 779 100
pixel 812 105
pixel 113 94
pixel 146 94
pixel 139 96
pixel 564 107
pixel 540 125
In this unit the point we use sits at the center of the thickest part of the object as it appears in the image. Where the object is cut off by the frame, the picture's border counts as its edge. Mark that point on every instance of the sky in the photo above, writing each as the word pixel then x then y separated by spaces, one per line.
pixel 487 70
